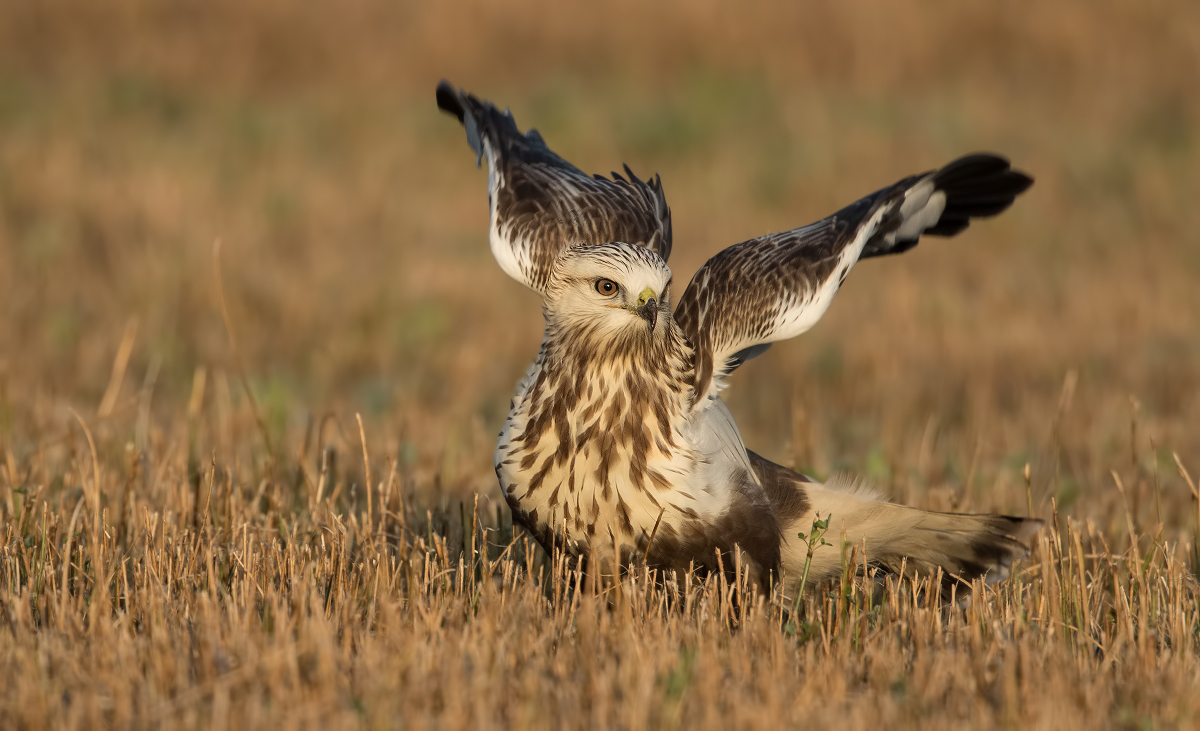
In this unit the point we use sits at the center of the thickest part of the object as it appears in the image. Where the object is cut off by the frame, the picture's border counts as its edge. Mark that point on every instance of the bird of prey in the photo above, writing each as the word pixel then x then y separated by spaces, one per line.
pixel 617 438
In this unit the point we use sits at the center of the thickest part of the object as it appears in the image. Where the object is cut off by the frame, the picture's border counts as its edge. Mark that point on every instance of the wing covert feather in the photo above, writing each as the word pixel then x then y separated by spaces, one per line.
pixel 541 204
pixel 777 286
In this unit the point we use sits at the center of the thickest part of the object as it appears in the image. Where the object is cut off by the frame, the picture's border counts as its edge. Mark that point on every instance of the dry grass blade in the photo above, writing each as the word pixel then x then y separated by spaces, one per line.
pixel 1186 477
pixel 362 434
pixel 120 363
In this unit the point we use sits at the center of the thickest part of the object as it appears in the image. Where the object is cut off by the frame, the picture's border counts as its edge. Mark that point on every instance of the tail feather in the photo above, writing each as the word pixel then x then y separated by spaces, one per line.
pixel 898 538
pixel 964 546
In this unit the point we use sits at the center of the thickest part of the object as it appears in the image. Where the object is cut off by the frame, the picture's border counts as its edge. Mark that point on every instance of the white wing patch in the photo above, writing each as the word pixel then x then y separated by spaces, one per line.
pixel 922 207
pixel 808 307
pixel 510 254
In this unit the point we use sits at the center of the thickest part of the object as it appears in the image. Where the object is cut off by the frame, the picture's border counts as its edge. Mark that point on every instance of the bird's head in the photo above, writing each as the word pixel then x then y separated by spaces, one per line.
pixel 612 291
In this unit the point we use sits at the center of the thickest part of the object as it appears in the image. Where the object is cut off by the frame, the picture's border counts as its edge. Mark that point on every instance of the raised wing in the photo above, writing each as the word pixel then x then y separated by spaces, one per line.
pixel 541 203
pixel 777 286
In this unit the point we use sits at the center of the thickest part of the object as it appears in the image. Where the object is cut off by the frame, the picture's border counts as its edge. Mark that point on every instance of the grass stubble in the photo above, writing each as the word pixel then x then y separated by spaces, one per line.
pixel 177 590
pixel 300 527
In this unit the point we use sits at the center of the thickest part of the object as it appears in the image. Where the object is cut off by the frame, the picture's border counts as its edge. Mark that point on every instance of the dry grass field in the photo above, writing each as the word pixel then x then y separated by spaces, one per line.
pixel 293 521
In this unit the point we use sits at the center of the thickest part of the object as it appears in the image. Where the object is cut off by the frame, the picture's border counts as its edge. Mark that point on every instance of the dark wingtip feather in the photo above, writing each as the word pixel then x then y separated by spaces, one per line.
pixel 902 246
pixel 1018 181
pixel 534 137
pixel 944 227
pixel 449 99
pixel 976 186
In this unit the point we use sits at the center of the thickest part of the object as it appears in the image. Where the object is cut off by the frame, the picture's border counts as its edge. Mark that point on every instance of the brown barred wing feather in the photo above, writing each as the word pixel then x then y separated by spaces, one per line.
pixel 777 286
pixel 541 204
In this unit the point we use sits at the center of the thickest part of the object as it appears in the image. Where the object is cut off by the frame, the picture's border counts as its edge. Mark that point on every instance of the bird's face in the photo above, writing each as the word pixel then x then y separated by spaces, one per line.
pixel 619 290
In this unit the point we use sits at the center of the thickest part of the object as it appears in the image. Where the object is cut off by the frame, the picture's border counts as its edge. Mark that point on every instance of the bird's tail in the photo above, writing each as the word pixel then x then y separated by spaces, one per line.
pixel 897 538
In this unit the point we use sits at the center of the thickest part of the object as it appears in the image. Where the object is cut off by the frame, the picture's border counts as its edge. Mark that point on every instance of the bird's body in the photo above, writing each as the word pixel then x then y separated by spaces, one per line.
pixel 605 446
pixel 617 436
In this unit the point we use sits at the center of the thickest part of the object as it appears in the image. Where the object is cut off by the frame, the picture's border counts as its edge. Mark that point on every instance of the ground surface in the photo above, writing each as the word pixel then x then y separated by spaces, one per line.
pixel 173 552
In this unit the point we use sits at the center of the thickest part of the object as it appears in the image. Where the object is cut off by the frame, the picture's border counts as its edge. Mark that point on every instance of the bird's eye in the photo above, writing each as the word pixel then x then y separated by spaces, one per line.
pixel 606 287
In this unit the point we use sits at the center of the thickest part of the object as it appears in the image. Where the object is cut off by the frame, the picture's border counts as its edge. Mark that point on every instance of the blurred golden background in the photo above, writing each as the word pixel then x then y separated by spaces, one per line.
pixel 304 136
pixel 174 553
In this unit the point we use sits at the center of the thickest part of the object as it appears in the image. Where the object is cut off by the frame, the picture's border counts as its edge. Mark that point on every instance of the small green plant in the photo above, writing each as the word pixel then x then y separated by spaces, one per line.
pixel 814 539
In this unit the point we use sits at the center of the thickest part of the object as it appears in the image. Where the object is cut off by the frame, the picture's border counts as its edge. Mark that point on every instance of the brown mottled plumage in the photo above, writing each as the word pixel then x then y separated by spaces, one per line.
pixel 541 203
pixel 617 435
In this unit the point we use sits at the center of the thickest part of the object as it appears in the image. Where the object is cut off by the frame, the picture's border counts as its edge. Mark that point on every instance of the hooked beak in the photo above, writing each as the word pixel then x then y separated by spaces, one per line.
pixel 649 312
pixel 647 307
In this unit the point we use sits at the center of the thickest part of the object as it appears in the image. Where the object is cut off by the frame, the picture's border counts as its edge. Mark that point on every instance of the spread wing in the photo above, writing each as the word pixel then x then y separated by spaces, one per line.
pixel 777 286
pixel 540 203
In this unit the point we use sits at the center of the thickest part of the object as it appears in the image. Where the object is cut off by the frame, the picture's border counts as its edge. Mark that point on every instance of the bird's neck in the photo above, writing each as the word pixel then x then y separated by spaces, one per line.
pixel 588 368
